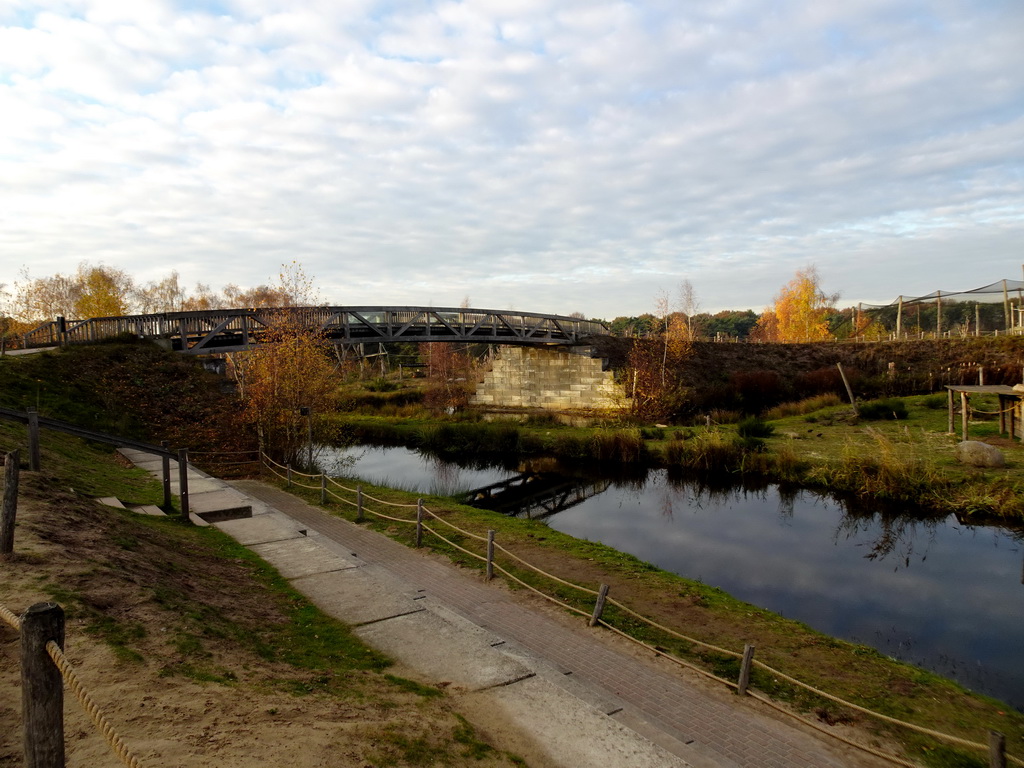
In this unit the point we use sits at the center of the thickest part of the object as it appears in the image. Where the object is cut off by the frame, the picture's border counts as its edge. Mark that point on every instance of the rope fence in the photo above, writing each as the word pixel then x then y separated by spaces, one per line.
pixel 43 714
pixel 596 619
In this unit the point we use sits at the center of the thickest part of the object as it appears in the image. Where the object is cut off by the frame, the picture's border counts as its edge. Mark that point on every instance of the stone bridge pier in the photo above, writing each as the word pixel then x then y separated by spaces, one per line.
pixel 529 378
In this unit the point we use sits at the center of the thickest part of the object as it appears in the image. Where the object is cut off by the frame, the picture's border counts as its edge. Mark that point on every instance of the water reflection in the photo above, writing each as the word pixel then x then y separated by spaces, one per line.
pixel 940 592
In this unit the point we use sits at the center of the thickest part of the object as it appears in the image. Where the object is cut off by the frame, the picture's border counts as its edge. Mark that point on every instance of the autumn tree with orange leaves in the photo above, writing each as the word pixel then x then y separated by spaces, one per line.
pixel 289 372
pixel 799 313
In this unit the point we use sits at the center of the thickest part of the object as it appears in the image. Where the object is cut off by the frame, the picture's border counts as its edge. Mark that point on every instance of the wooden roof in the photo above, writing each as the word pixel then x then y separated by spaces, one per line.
pixel 990 389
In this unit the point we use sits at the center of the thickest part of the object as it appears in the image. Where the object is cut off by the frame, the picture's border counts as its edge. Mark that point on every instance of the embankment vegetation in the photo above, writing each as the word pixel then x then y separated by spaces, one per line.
pixel 198 652
pixel 810 441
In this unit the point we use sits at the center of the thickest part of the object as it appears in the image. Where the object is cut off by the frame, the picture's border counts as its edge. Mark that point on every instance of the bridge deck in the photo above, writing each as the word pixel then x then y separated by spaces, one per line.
pixel 230 330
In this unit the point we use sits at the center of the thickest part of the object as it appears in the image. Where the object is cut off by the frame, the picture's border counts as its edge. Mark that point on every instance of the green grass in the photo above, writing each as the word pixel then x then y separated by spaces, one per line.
pixel 857 673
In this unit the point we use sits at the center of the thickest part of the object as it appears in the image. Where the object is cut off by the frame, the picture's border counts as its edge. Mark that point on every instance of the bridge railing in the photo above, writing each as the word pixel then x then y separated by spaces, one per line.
pixel 235 329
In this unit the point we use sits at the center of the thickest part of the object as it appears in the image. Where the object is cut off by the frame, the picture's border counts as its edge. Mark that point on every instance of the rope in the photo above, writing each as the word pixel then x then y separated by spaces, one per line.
pixel 452 543
pixel 343 487
pixel 98 718
pixel 672 632
pixel 455 527
pixel 876 752
pixel 10 617
pixel 864 710
pixel 669 656
pixel 717 649
pixel 993 413
pixel 551 576
pixel 554 600
pixel 388 503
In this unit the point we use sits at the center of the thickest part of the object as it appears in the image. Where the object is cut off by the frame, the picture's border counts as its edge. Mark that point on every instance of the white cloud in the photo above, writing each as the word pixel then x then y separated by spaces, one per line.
pixel 576 155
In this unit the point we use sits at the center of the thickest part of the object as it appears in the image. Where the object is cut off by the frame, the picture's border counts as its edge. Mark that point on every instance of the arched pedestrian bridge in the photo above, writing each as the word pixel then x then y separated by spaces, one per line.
pixel 232 330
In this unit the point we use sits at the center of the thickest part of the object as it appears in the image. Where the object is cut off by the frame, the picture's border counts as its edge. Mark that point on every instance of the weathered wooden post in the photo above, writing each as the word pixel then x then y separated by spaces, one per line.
pixel 419 522
pixel 949 402
pixel 996 750
pixel 963 415
pixel 981 375
pixel 288 470
pixel 359 503
pixel 12 469
pixel 323 489
pixel 849 390
pixel 745 665
pixel 33 440
pixel 165 465
pixel 183 483
pixel 490 555
pixel 42 689
pixel 602 595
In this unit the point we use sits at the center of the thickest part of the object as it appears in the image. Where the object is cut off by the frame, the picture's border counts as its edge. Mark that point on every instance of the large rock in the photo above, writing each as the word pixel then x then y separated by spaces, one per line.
pixel 978 454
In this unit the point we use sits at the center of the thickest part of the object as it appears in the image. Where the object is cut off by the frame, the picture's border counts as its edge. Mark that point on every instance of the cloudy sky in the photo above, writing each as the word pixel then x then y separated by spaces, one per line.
pixel 546 155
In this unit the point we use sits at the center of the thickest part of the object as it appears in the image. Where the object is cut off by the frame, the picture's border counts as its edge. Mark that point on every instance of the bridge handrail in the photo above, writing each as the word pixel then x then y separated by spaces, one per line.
pixel 87 434
pixel 201 325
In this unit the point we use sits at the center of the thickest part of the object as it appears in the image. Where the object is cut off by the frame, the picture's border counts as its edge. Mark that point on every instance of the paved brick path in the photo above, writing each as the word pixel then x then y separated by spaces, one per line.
pixel 716 731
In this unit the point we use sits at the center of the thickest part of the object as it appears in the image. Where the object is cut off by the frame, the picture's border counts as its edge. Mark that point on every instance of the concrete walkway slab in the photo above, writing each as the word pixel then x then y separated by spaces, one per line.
pixel 444 651
pixel 358 595
pixel 260 529
pixel 219 504
pixel 300 557
pixel 566 731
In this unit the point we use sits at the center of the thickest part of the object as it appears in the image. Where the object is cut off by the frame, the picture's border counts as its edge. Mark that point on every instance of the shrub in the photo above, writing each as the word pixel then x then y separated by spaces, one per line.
pixel 876 410
pixel 754 427
pixel 381 385
pixel 935 402
pixel 807 405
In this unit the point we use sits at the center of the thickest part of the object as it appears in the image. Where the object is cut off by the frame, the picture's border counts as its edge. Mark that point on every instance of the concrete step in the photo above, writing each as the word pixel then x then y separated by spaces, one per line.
pixel 149 509
pixel 110 501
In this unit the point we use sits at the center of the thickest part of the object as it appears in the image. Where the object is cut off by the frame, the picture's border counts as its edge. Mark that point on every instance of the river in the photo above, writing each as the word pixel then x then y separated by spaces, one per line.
pixel 937 593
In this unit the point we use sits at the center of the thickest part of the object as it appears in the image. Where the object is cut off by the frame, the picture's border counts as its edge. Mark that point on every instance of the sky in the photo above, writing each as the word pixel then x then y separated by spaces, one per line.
pixel 541 155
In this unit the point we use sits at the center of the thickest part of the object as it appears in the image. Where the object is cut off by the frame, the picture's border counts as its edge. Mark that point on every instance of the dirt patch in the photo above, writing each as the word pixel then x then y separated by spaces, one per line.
pixel 155 618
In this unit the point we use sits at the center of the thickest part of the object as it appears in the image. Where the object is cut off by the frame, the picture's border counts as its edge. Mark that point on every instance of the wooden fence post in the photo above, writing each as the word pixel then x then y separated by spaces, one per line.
pixel 42 689
pixel 964 413
pixel 12 470
pixel 744 681
pixel 419 522
pixel 165 465
pixel 323 489
pixel 33 440
pixel 849 391
pixel 490 555
pixel 359 503
pixel 996 750
pixel 602 595
pixel 288 469
pixel 183 483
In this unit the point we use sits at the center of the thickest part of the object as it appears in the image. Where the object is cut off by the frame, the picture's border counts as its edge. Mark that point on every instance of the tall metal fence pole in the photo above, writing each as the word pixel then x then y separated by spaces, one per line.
pixel 42 689
pixel 12 469
pixel 34 460
pixel 165 463
pixel 183 483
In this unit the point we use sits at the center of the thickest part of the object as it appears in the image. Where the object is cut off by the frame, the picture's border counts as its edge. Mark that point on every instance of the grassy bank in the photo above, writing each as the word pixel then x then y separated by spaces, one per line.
pixel 853 672
pixel 198 651
pixel 817 444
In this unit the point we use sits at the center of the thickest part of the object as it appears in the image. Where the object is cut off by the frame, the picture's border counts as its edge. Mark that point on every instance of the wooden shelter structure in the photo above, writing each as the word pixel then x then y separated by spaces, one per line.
pixel 1009 407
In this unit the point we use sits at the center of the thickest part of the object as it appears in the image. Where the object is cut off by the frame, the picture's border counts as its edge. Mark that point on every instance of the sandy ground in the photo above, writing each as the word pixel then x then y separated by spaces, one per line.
pixel 167 719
